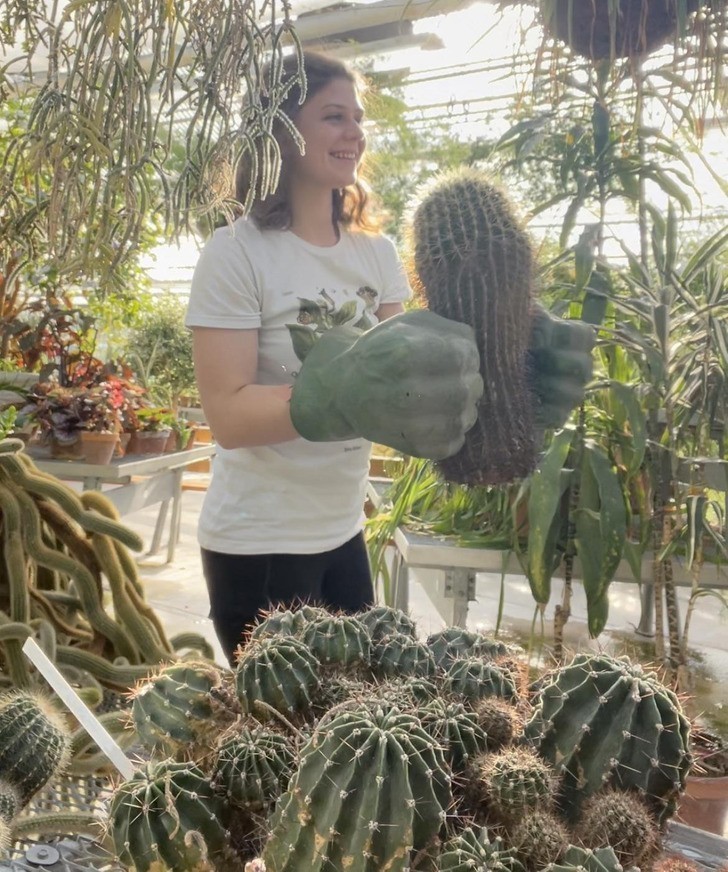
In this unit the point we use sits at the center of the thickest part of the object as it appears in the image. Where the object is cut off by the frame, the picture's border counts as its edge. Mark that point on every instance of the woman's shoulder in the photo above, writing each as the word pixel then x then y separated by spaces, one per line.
pixel 377 241
pixel 238 232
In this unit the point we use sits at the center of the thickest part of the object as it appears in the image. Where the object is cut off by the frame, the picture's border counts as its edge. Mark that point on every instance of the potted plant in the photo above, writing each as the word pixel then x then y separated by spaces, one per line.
pixel 100 424
pixel 155 425
pixel 56 411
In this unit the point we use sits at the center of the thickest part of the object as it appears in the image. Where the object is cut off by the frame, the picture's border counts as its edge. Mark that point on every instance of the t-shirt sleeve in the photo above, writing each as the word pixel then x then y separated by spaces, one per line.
pixel 224 291
pixel 395 286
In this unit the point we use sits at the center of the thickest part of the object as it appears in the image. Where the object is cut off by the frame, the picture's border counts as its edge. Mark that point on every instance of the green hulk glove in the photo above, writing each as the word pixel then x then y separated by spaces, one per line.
pixel 412 383
pixel 560 365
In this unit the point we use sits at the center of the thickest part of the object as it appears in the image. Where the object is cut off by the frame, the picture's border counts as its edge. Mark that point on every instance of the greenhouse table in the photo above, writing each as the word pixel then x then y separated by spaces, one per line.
pixel 137 481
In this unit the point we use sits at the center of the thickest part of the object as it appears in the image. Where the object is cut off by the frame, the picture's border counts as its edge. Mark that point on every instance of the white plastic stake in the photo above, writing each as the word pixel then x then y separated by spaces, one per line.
pixel 78 708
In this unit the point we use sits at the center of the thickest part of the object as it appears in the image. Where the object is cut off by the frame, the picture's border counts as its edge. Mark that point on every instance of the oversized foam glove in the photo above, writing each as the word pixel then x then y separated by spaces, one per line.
pixel 560 365
pixel 412 383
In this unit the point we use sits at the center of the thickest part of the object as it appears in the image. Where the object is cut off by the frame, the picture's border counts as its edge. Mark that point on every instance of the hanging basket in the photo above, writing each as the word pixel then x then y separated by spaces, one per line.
pixel 641 27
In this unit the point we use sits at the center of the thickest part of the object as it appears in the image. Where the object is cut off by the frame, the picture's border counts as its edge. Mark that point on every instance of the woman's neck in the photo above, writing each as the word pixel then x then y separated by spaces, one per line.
pixel 312 217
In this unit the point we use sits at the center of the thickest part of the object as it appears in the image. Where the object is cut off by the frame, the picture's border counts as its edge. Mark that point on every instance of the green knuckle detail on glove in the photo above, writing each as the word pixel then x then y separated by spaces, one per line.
pixel 412 383
pixel 561 365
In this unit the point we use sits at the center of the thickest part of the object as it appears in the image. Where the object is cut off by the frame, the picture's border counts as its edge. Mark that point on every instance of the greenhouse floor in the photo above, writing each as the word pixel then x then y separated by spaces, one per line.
pixel 177 590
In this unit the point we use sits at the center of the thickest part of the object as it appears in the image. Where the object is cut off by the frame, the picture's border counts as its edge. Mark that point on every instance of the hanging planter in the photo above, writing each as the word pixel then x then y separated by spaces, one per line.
pixel 600 29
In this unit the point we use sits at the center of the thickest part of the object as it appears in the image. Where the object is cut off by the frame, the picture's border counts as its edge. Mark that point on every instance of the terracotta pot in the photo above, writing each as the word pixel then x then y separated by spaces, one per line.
pixel 704 804
pixel 172 442
pixel 122 444
pixel 148 442
pixel 66 450
pixel 98 447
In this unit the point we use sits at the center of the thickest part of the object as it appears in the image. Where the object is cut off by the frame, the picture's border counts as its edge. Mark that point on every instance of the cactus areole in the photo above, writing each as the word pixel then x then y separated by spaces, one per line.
pixel 604 722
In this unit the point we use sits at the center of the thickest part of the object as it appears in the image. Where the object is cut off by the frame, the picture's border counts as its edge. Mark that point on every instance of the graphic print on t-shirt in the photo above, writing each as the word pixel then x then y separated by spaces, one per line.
pixel 317 316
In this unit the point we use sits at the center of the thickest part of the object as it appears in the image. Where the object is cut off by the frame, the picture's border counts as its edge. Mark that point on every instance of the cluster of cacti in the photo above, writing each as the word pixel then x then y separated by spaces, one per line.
pixel 474 264
pixel 330 767
pixel 59 550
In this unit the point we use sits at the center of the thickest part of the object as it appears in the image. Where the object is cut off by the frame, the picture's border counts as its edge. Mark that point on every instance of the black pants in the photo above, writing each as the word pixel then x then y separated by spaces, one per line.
pixel 240 586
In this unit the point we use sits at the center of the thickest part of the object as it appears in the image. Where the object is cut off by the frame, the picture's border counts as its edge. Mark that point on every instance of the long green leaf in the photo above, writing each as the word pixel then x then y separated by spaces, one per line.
pixel 635 416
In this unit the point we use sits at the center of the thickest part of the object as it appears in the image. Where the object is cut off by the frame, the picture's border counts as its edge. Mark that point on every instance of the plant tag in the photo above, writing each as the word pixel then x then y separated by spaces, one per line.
pixel 78 708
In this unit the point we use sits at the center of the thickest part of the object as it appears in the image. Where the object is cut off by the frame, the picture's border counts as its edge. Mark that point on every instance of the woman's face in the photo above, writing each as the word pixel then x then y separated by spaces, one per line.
pixel 330 123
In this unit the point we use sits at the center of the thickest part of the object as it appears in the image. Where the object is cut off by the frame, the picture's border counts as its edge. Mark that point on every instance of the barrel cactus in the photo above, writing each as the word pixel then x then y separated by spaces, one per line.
pixel 252 767
pixel 168 816
pixel 456 729
pixel 617 819
pixel 279 672
pixel 370 788
pixel 338 640
pixel 577 859
pixel 399 655
pixel 287 621
pixel 605 722
pixel 474 263
pixel 453 642
pixel 539 837
pixel 513 781
pixel 172 711
pixel 383 621
pixel 473 678
pixel 474 851
pixel 34 742
pixel 9 801
pixel 501 721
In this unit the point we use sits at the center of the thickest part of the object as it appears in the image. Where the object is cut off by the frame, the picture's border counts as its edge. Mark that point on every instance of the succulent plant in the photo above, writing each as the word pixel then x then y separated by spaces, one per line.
pixel 9 800
pixel 172 711
pixel 473 678
pixel 168 816
pixel 585 860
pixel 605 722
pixel 370 788
pixel 283 621
pixel 383 621
pixel 338 640
pixel 474 851
pixel 620 820
pixel 278 671
pixel 474 263
pixel 539 838
pixel 456 729
pixel 454 642
pixel 34 742
pixel 500 720
pixel 513 781
pixel 399 655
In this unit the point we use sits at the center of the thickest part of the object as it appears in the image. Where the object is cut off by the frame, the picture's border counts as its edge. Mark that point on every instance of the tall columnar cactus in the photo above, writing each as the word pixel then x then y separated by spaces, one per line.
pixel 34 742
pixel 277 671
pixel 371 787
pixel 252 767
pixel 473 678
pixel 172 712
pixel 383 621
pixel 475 265
pixel 605 722
pixel 454 642
pixel 338 640
pixel 474 851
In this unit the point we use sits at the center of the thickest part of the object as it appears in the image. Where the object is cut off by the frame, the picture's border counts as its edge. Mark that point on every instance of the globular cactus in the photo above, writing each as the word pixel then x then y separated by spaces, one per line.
pixel 287 621
pixel 605 722
pixel 500 720
pixel 383 621
pixel 617 819
pixel 456 729
pixel 338 640
pixel 398 655
pixel 513 781
pixel 370 788
pixel 578 859
pixel 455 642
pixel 474 263
pixel 539 838
pixel 277 671
pixel 172 711
pixel 252 767
pixel 168 816
pixel 474 851
pixel 9 800
pixel 473 678
pixel 34 742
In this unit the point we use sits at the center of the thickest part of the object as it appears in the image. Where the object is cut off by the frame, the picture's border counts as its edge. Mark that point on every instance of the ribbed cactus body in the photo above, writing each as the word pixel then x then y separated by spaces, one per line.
pixel 383 621
pixel 604 722
pixel 167 816
pixel 338 640
pixel 287 622
pixel 454 642
pixel 9 801
pixel 622 821
pixel 578 859
pixel 500 720
pixel 473 678
pixel 279 671
pixel 34 742
pixel 253 767
pixel 539 837
pixel 474 851
pixel 172 712
pixel 398 655
pixel 475 265
pixel 515 780
pixel 456 729
pixel 370 788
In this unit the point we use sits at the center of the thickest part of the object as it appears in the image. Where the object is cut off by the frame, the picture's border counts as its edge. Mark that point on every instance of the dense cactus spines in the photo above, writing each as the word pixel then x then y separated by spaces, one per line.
pixel 454 642
pixel 473 678
pixel 167 816
pixel 500 720
pixel 538 837
pixel 620 820
pixel 34 742
pixel 578 859
pixel 399 655
pixel 9 801
pixel 278 671
pixel 474 851
pixel 456 729
pixel 474 263
pixel 252 767
pixel 173 710
pixel 514 780
pixel 370 788
pixel 338 640
pixel 604 722
pixel 287 621
pixel 383 621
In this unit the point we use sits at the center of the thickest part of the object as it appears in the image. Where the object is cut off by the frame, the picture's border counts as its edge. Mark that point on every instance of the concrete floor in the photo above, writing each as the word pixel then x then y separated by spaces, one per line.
pixel 177 591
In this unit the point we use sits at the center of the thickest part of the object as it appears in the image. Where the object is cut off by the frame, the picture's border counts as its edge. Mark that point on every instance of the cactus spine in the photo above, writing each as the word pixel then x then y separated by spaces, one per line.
pixel 475 265
pixel 620 820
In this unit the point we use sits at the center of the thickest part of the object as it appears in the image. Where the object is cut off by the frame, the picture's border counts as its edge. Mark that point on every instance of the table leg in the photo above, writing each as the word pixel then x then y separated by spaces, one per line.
pixel 400 582
pixel 92 482
pixel 159 527
pixel 459 588
pixel 174 524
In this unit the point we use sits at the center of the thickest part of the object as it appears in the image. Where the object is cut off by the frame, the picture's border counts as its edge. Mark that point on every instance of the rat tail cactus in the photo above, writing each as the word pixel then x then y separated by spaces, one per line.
pixel 34 742
pixel 474 263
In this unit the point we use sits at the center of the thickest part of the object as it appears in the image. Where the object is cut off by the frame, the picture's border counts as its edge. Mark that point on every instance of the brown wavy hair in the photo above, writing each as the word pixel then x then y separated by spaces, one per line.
pixel 350 206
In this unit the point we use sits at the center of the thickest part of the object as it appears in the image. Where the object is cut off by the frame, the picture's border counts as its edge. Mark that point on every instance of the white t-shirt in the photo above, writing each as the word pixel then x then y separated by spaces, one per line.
pixel 294 497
